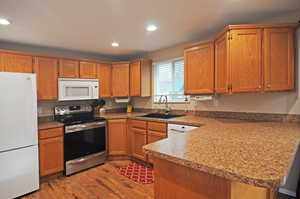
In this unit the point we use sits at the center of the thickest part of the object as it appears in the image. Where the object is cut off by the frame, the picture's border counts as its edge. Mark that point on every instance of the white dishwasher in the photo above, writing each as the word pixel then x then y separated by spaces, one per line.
pixel 177 128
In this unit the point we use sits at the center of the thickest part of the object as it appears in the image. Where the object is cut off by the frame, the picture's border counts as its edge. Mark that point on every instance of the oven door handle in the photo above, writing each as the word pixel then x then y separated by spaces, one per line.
pixel 79 161
pixel 82 127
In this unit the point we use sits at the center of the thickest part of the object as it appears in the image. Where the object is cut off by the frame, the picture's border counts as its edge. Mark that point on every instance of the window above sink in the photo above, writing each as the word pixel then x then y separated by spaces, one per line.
pixel 169 81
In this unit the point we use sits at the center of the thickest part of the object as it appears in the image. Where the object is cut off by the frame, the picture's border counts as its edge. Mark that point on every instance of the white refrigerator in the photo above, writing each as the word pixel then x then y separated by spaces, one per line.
pixel 19 168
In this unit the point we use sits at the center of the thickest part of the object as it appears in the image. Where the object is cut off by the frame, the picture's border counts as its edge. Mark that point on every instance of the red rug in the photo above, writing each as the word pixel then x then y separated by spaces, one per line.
pixel 138 173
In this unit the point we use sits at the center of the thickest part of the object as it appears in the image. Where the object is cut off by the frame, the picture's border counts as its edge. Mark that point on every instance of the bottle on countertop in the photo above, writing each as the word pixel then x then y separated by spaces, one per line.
pixel 129 108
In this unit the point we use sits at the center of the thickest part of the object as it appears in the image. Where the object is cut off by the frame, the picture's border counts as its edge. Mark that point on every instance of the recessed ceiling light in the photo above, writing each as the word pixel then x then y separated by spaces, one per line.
pixel 4 21
pixel 115 44
pixel 151 28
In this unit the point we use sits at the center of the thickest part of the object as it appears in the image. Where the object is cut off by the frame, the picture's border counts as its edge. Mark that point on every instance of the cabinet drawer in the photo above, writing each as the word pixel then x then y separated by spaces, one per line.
pixel 157 134
pixel 48 133
pixel 157 126
pixel 139 124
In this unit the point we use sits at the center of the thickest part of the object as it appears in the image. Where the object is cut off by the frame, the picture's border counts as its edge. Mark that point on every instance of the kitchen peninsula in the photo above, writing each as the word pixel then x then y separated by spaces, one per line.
pixel 224 159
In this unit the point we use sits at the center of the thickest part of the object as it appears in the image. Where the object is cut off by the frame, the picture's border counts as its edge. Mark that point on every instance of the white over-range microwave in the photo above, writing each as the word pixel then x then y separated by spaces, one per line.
pixel 77 89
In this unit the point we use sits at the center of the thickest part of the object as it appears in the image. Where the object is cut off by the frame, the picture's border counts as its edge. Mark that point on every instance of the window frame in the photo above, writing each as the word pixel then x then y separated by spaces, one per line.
pixel 154 82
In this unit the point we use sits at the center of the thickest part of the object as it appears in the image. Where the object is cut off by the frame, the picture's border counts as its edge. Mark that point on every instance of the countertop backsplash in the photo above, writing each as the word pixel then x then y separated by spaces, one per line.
pixel 46 108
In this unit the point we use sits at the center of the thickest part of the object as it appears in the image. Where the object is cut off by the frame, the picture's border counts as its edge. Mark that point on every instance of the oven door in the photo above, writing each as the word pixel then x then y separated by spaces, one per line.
pixel 84 143
pixel 77 89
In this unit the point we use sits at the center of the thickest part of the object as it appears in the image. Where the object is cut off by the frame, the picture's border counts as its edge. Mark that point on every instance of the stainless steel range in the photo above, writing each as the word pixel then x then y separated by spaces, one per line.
pixel 84 137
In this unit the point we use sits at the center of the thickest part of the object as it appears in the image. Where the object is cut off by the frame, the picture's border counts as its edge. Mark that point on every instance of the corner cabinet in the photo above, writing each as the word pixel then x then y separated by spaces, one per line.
pixel 140 78
pixel 255 58
pixel 46 70
pixel 221 63
pixel 199 68
pixel 104 77
pixel 120 79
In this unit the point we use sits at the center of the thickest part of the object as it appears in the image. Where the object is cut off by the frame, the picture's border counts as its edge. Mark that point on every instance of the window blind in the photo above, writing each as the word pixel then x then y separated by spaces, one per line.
pixel 169 80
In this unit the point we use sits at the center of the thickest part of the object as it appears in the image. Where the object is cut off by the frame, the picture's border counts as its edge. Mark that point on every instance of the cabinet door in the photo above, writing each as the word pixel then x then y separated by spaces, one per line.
pixel 16 63
pixel 46 70
pixel 135 78
pixel 51 155
pixel 68 68
pixel 245 60
pixel 199 69
pixel 117 137
pixel 139 139
pixel 278 59
pixel 104 77
pixel 120 80
pixel 221 64
pixel 154 136
pixel 87 70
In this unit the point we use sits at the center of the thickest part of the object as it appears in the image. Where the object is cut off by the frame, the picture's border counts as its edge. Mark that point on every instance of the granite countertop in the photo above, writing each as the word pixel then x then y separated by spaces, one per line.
pixel 255 153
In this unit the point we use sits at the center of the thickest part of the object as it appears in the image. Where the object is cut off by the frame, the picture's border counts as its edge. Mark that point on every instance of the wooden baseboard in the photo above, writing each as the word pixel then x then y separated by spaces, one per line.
pixel 118 157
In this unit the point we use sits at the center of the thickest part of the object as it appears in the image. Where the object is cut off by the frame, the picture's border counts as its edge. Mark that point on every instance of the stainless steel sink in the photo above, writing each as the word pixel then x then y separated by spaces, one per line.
pixel 161 115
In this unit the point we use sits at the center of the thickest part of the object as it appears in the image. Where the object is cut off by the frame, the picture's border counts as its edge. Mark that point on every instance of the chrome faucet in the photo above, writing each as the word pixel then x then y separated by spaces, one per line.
pixel 163 99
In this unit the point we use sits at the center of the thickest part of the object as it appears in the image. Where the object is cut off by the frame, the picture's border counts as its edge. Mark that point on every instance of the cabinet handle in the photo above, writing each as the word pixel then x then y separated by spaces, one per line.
pixel 229 87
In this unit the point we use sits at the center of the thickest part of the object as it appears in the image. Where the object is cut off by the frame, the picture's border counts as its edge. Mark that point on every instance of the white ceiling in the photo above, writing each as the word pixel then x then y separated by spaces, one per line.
pixel 91 25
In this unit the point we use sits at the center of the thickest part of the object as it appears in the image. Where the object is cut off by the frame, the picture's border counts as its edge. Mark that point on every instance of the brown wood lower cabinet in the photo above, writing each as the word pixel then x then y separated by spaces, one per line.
pixel 154 136
pixel 51 151
pixel 117 137
pixel 127 137
pixel 139 139
pixel 142 133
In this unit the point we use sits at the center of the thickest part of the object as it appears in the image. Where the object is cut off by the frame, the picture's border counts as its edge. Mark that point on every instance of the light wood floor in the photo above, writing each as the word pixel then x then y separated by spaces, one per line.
pixel 103 182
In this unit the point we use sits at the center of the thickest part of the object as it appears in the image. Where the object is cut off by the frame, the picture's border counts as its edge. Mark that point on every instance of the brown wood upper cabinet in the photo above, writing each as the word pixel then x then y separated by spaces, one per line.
pixel 140 78
pixel 117 137
pixel 245 49
pixel 255 58
pixel 46 70
pixel 238 59
pixel 104 77
pixel 16 63
pixel 221 64
pixel 120 79
pixel 68 68
pixel 51 151
pixel 88 70
pixel 199 68
pixel 279 59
